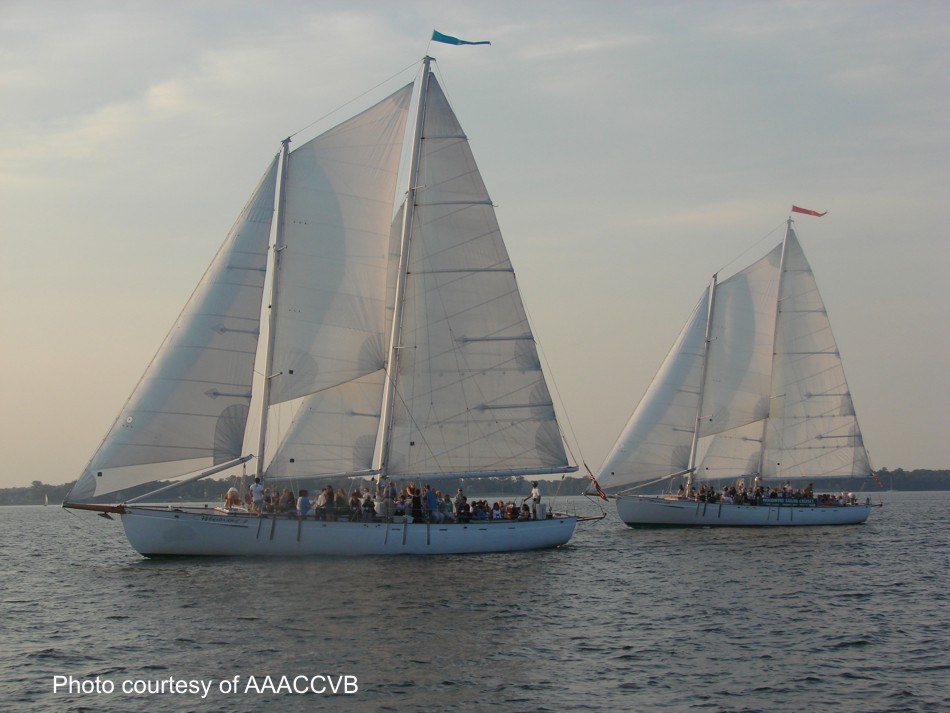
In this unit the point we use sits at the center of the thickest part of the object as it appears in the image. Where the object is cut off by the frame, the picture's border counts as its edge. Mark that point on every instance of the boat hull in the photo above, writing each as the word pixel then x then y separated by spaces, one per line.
pixel 163 532
pixel 656 511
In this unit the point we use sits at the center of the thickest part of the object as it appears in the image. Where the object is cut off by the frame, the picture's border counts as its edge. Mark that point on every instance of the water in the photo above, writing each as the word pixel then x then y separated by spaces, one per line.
pixel 835 619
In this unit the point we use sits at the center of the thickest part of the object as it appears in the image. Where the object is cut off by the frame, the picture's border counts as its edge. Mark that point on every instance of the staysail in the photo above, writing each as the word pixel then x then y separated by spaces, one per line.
pixel 333 312
pixel 767 395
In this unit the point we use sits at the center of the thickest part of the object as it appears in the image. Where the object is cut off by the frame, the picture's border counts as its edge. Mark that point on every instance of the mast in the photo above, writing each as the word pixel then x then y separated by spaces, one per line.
pixel 778 301
pixel 389 390
pixel 691 468
pixel 272 305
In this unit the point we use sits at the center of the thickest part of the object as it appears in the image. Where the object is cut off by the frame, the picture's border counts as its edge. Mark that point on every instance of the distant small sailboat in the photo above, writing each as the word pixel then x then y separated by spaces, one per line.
pixel 45 499
pixel 393 343
pixel 753 391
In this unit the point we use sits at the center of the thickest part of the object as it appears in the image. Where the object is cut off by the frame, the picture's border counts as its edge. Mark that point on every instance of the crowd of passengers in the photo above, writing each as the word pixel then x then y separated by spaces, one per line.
pixel 410 504
pixel 738 494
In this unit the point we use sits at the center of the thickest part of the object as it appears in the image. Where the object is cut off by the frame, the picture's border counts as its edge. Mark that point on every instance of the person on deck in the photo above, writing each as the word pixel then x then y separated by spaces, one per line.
pixel 448 510
pixel 320 506
pixel 303 504
pixel 356 505
pixel 232 498
pixel 342 503
pixel 392 493
pixel 401 508
pixel 432 505
pixel 415 497
pixel 257 495
pixel 464 511
pixel 286 503
pixel 535 497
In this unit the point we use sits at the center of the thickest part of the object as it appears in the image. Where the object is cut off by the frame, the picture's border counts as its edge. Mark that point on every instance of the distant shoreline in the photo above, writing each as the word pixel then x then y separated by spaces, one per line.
pixel 211 491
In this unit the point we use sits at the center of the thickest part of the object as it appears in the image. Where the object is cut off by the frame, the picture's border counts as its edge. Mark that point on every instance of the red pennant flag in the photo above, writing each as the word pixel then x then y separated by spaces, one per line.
pixel 596 484
pixel 796 209
pixel 877 480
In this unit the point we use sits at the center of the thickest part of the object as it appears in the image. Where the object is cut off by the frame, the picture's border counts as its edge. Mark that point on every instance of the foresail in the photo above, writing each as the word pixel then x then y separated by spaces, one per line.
pixel 330 324
pixel 334 308
pixel 739 360
pixel 330 432
pixel 656 441
pixel 189 410
pixel 336 430
pixel 815 428
pixel 470 394
pixel 734 453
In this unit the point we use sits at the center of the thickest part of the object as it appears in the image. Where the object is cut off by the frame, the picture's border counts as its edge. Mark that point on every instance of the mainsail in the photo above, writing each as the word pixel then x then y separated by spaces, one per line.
pixel 470 395
pixel 754 385
pixel 460 393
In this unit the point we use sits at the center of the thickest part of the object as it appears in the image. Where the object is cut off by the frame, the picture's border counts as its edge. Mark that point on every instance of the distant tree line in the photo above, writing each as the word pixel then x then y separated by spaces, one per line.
pixel 212 491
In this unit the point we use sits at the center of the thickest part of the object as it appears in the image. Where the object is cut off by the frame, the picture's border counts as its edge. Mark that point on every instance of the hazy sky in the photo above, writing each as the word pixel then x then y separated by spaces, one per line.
pixel 632 148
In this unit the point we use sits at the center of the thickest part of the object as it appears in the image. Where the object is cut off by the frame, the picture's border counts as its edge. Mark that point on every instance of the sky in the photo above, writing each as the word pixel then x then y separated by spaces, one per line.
pixel 632 149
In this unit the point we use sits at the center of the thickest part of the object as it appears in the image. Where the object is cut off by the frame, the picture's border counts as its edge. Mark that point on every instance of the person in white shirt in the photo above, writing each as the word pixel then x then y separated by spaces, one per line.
pixel 535 498
pixel 257 495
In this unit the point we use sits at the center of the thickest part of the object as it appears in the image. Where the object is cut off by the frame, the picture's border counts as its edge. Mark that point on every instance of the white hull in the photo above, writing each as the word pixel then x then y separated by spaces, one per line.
pixel 655 511
pixel 158 532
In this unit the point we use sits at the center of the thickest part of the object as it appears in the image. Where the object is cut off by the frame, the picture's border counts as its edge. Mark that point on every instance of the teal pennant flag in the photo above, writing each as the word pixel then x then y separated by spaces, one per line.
pixel 449 40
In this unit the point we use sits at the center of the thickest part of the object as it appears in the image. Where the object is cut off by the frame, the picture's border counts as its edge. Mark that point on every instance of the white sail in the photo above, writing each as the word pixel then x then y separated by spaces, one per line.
pixel 331 432
pixel 815 427
pixel 190 408
pixel 335 301
pixel 656 440
pixel 331 318
pixel 773 398
pixel 739 367
pixel 470 395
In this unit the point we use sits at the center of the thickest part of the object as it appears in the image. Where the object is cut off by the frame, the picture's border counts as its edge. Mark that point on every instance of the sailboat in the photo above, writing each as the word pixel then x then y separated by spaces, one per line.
pixel 753 398
pixel 347 327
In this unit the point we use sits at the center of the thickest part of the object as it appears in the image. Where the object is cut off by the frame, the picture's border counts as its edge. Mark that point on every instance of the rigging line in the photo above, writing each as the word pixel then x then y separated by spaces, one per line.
pixel 356 98
pixel 397 394
pixel 548 378
pixel 441 78
pixel 751 247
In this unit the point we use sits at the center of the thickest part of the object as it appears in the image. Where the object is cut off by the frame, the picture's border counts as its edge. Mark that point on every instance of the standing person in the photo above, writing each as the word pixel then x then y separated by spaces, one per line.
pixel 387 497
pixel 257 495
pixel 303 504
pixel 535 497
pixel 415 497
pixel 331 504
pixel 320 506
pixel 432 505
pixel 392 494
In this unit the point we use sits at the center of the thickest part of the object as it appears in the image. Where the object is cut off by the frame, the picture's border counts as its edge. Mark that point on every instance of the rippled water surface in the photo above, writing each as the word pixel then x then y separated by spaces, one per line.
pixel 824 619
